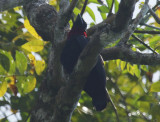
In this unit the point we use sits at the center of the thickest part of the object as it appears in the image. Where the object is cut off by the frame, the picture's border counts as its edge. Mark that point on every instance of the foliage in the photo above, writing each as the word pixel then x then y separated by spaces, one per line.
pixel 131 86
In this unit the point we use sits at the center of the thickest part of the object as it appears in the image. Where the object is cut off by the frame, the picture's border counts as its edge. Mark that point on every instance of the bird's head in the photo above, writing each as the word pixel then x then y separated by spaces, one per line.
pixel 79 24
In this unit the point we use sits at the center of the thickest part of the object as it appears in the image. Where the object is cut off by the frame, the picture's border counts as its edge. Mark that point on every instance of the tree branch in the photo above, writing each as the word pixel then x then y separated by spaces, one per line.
pixel 134 25
pixel 128 55
pixel 65 13
pixel 154 15
pixel 8 4
pixel 114 107
pixel 101 25
pixel 120 21
pixel 124 100
pixel 124 15
pixel 147 32
pixel 42 17
pixel 150 26
pixel 110 11
pixel 138 39
pixel 84 7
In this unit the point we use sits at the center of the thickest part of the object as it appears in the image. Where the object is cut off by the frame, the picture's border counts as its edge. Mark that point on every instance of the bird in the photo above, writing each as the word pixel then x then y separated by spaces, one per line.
pixel 96 81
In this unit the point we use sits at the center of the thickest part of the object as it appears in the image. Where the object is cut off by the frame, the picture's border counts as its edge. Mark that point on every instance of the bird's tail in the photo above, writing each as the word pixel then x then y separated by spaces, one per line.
pixel 100 101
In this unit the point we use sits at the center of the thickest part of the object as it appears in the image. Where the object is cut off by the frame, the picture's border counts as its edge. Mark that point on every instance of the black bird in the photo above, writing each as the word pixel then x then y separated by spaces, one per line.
pixel 96 81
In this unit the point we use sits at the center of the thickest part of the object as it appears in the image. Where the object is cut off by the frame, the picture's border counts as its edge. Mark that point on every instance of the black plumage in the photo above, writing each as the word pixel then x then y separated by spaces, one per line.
pixel 96 81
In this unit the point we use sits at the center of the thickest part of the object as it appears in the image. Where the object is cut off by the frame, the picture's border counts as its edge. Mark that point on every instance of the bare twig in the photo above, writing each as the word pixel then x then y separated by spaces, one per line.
pixel 155 7
pixel 124 101
pixel 150 26
pixel 138 39
pixel 147 32
pixel 154 15
pixel 110 11
pixel 114 107
pixel 141 113
pixel 84 7
pixel 148 13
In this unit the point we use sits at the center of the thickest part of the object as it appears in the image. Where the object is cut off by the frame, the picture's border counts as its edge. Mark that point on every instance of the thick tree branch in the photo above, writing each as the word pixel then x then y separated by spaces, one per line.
pixel 124 15
pixel 120 21
pixel 128 55
pixel 135 23
pixel 56 33
pixel 42 17
pixel 65 13
pixel 8 4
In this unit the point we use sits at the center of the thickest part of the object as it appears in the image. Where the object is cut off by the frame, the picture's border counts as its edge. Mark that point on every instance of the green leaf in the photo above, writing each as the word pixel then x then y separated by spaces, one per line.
pixel 92 24
pixel 76 11
pixel 35 45
pixel 116 6
pixel 21 62
pixel 103 15
pixel 39 67
pixel 30 29
pixel 103 9
pixel 136 70
pixel 109 3
pixel 157 48
pixel 3 87
pixel 155 87
pixel 129 69
pixel 4 62
pixel 118 61
pixel 137 89
pixel 153 41
pixel 147 98
pixel 10 17
pixel 144 67
pixel 24 103
pixel 30 84
pixel 20 42
pixel 155 112
pixel 26 84
pixel 15 102
pixel 91 13
pixel 123 64
pixel 8 63
pixel 93 1
pixel 144 106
